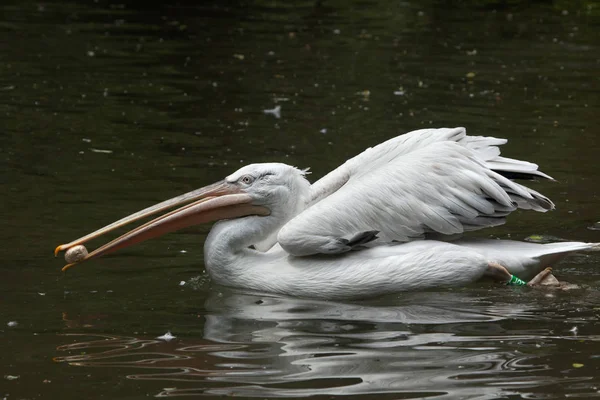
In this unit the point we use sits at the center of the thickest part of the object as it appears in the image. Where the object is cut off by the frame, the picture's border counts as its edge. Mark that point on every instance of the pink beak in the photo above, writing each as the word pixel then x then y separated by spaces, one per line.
pixel 220 200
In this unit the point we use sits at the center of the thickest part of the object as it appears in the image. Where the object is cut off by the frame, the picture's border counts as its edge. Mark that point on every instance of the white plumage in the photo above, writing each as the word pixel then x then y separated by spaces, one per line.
pixel 281 234
pixel 426 181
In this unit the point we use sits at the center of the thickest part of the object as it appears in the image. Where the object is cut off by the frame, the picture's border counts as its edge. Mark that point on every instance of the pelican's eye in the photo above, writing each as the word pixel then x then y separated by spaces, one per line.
pixel 247 179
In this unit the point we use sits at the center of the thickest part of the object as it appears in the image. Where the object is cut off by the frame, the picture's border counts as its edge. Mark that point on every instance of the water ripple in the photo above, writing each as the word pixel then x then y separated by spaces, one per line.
pixel 267 346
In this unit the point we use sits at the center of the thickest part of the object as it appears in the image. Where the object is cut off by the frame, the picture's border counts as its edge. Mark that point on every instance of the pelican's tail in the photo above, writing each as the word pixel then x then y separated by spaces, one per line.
pixel 526 259
pixel 552 253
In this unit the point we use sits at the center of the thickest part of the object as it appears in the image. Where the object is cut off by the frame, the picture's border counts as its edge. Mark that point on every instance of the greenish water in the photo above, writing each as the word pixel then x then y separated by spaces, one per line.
pixel 110 107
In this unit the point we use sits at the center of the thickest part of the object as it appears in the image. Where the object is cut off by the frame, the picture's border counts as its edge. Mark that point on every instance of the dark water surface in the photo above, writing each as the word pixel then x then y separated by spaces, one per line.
pixel 107 108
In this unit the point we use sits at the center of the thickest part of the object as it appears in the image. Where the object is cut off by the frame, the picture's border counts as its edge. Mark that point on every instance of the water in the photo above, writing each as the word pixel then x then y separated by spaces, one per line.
pixel 110 107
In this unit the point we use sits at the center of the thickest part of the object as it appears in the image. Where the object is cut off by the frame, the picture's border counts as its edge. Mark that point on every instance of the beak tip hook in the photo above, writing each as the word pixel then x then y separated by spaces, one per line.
pixel 58 249
pixel 66 267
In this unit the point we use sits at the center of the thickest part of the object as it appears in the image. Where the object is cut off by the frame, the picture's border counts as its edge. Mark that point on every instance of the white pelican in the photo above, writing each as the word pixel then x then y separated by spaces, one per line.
pixel 277 233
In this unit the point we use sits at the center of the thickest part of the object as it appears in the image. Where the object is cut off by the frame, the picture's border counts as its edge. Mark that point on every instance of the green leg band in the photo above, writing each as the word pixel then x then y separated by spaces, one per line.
pixel 515 281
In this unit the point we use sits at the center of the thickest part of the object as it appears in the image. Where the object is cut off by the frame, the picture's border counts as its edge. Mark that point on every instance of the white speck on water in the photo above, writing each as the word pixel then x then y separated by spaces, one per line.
pixel 167 337
pixel 100 151
pixel 337 31
pixel 323 131
pixel 91 53
pixel 11 377
pixel 41 293
pixel 399 93
pixel 276 112
pixel 86 140
pixel 183 251
pixel 12 323
pixel 182 283
pixel 574 330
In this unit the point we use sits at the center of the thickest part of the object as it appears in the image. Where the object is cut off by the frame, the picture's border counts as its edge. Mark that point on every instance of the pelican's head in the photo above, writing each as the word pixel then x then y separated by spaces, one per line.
pixel 257 189
pixel 281 188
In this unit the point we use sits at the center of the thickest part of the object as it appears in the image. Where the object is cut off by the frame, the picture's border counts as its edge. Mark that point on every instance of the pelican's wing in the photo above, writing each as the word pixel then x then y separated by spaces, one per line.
pixel 429 181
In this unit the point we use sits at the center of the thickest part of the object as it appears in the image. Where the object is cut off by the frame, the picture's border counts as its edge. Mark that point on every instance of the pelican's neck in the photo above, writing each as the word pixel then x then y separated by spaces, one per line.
pixel 226 250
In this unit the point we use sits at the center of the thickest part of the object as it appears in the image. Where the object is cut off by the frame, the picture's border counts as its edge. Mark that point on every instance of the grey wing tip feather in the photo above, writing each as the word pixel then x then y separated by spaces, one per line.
pixel 360 238
pixel 527 176
pixel 541 201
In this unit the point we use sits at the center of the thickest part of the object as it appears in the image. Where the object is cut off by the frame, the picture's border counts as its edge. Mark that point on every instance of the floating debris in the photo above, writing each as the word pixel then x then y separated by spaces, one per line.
pixel 239 56
pixel 276 112
pixel 595 227
pixel 182 283
pixel 101 151
pixel 11 377
pixel 543 239
pixel 577 365
pixel 12 323
pixel 323 131
pixel 574 330
pixel 399 93
pixel 470 75
pixel 365 94
pixel 86 140
pixel 167 337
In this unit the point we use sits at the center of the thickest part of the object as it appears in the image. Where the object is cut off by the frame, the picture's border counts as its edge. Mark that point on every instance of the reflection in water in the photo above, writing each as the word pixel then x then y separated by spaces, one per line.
pixel 269 346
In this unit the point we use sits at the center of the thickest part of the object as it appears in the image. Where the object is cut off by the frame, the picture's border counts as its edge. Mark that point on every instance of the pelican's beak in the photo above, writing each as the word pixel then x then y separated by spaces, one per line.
pixel 221 200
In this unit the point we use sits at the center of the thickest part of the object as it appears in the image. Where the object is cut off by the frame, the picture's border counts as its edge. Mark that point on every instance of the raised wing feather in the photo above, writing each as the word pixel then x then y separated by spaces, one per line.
pixel 374 157
pixel 428 181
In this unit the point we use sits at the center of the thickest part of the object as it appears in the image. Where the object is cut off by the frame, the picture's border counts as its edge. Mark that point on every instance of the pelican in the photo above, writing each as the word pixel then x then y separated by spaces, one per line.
pixel 387 220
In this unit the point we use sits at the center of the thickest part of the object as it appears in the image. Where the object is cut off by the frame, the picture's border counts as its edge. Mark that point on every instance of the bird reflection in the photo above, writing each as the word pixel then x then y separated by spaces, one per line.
pixel 257 345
